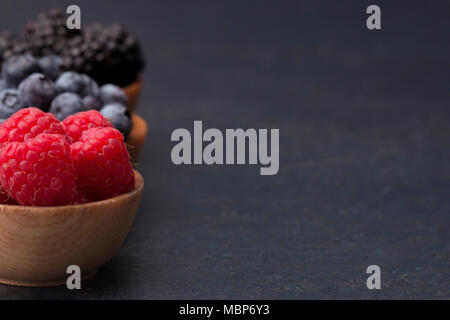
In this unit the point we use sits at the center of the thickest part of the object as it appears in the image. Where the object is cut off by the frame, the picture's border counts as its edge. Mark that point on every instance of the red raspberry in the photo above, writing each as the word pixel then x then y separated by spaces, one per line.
pixel 102 164
pixel 78 198
pixel 28 123
pixel 76 124
pixel 38 171
pixel 5 198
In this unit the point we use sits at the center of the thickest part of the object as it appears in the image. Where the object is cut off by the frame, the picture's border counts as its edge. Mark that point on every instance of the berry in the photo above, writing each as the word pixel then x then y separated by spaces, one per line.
pixel 91 102
pixel 9 103
pixel 50 66
pixel 77 124
pixel 7 45
pixel 48 34
pixel 102 163
pixel 5 198
pixel 65 104
pixel 110 93
pixel 91 87
pixel 78 198
pixel 4 85
pixel 106 53
pixel 38 171
pixel 28 123
pixel 18 67
pixel 37 90
pixel 119 116
pixel 70 82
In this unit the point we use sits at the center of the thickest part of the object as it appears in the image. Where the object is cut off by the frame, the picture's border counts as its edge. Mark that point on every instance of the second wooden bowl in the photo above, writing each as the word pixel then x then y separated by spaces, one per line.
pixel 136 138
pixel 37 244
pixel 133 91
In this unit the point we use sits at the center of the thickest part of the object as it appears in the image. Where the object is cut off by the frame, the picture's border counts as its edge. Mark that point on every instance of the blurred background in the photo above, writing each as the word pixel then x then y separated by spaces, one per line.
pixel 364 174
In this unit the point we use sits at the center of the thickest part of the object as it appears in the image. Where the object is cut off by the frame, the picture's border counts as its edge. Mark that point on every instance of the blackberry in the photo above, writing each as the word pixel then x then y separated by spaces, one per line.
pixel 7 45
pixel 48 33
pixel 107 54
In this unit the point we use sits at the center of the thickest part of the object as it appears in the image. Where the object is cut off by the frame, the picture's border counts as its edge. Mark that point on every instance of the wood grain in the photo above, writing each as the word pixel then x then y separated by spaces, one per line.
pixel 37 244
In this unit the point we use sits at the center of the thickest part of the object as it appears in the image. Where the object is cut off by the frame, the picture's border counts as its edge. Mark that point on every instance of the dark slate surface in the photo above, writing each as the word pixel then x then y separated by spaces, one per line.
pixel 364 120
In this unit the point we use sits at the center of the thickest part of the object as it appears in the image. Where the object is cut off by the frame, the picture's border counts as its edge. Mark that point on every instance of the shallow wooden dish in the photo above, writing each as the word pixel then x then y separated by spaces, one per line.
pixel 136 138
pixel 133 91
pixel 37 244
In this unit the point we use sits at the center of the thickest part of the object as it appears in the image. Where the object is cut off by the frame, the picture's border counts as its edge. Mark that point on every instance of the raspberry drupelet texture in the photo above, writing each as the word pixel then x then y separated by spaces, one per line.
pixel 38 171
pixel 28 123
pixel 77 124
pixel 5 198
pixel 102 163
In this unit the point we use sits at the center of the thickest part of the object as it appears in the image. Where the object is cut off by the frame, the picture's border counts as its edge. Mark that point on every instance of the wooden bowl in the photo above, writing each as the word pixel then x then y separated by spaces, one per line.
pixel 136 138
pixel 133 92
pixel 37 244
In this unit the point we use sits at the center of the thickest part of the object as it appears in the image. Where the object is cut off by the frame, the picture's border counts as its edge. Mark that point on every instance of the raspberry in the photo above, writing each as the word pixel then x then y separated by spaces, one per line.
pixel 78 198
pixel 5 198
pixel 38 171
pixel 102 164
pixel 76 124
pixel 28 123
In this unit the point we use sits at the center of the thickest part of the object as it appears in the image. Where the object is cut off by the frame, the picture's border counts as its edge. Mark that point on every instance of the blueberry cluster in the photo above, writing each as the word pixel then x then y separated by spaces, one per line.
pixel 30 82
pixel 108 54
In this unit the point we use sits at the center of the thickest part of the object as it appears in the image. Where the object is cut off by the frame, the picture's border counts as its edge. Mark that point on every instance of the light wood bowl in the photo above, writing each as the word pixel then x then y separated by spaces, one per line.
pixel 133 91
pixel 37 244
pixel 136 138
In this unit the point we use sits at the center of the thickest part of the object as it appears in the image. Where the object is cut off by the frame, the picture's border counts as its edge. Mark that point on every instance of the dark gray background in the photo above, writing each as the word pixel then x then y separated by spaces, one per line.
pixel 364 157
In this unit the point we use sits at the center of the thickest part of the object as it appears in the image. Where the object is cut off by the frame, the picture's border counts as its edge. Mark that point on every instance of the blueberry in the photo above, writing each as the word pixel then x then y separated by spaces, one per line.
pixel 37 90
pixel 18 67
pixel 51 66
pixel 110 93
pixel 70 81
pixel 65 104
pixel 4 85
pixel 9 103
pixel 119 116
pixel 91 102
pixel 90 87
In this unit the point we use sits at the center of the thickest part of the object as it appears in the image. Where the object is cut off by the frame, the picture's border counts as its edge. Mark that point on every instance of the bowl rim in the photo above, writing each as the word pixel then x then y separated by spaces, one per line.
pixel 138 186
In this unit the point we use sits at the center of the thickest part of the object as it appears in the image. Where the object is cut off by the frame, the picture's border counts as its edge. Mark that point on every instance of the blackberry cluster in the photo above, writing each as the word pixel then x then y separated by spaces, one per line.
pixel 47 34
pixel 107 54
pixel 8 45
